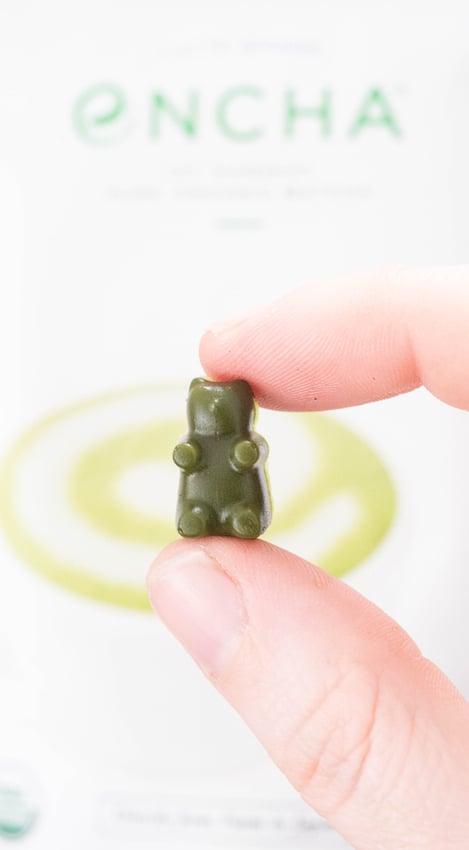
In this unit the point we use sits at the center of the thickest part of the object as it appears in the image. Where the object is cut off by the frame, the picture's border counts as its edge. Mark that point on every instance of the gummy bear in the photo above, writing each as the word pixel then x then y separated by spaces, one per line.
pixel 223 484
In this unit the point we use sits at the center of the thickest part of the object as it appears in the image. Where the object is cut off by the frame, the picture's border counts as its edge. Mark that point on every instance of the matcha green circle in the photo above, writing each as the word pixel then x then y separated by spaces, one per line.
pixel 347 465
pixel 92 482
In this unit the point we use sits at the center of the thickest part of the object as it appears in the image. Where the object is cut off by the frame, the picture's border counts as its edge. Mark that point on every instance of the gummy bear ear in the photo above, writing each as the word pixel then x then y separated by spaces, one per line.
pixel 197 382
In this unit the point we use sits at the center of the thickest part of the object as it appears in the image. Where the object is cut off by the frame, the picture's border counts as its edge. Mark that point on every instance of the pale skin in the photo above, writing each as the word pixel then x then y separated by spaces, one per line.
pixel 370 732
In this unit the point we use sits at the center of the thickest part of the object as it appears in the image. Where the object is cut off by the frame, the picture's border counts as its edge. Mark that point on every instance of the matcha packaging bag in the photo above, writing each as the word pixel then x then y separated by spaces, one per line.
pixel 164 166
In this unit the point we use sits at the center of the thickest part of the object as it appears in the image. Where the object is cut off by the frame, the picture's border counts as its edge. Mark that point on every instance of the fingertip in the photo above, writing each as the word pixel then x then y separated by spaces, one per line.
pixel 166 554
pixel 234 349
pixel 208 347
pixel 215 353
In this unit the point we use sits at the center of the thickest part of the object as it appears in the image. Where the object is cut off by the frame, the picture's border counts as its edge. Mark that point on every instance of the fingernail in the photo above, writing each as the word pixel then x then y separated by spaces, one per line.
pixel 227 325
pixel 201 606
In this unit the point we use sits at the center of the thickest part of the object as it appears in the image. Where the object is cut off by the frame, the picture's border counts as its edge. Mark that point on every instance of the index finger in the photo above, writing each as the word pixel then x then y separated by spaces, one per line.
pixel 350 340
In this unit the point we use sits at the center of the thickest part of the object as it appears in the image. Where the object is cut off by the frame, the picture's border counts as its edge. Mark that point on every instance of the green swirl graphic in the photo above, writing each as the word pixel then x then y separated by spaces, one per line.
pixel 346 466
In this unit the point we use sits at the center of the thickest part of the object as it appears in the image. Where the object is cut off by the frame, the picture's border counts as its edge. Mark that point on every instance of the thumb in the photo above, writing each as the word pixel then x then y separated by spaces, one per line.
pixel 370 732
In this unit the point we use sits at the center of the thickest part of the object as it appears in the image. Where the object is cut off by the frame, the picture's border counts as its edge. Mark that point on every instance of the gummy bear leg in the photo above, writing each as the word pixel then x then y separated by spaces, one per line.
pixel 245 522
pixel 194 522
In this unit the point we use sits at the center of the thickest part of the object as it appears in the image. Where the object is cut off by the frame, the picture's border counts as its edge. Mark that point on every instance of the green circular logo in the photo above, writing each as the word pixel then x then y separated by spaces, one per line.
pixel 18 801
pixel 88 495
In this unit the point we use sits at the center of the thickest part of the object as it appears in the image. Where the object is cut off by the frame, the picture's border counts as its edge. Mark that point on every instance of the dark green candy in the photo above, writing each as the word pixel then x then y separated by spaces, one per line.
pixel 223 486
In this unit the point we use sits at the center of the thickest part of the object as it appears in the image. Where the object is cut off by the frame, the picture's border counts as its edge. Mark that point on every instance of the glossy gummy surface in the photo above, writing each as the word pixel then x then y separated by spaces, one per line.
pixel 223 485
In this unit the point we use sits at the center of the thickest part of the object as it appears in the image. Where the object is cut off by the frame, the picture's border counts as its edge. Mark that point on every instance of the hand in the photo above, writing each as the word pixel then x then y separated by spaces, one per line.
pixel 369 731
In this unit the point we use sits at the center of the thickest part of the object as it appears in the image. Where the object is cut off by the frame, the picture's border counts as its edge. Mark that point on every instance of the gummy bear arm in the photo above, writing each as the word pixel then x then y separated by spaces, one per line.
pixel 245 454
pixel 263 446
pixel 186 455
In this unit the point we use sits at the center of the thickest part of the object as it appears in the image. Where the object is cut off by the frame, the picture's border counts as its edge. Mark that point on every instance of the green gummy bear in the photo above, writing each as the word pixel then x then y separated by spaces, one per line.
pixel 223 485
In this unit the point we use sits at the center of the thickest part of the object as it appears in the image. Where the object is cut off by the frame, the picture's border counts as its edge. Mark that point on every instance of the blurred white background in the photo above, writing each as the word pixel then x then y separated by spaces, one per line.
pixel 163 165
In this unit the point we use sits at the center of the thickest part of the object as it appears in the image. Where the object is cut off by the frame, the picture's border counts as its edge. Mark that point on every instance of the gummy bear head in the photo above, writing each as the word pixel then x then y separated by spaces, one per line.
pixel 219 408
